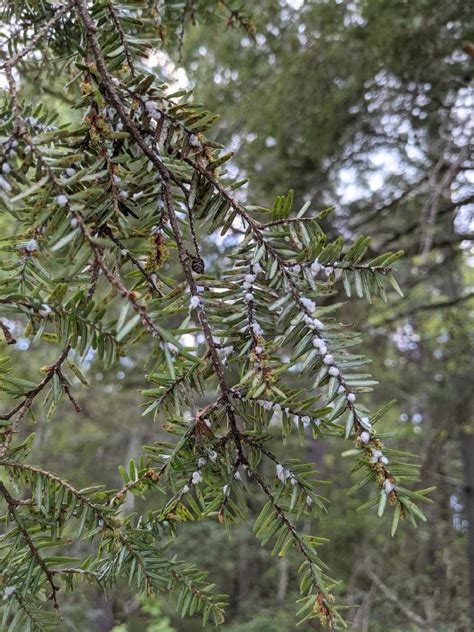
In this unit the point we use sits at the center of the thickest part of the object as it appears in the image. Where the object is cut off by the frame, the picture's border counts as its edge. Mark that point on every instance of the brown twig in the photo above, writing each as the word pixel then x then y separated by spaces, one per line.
pixel 12 61
pixel 325 607
pixel 67 390
pixel 12 505
pixel 9 339
pixel 426 308
pixel 111 91
pixel 391 596
pixel 129 255
pixel 113 97
pixel 24 406
pixel 154 474
pixel 123 39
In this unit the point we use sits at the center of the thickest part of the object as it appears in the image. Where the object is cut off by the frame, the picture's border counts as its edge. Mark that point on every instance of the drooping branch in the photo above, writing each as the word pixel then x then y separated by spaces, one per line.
pixel 165 175
pixel 128 123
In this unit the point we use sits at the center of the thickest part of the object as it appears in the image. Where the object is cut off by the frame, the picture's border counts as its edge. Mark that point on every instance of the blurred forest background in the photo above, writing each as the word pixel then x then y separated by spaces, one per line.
pixel 365 106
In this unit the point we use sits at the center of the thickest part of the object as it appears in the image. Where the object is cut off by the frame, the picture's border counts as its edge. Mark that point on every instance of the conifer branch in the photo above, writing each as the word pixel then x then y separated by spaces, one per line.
pixel 21 409
pixel 12 507
pixel 12 61
pixel 248 317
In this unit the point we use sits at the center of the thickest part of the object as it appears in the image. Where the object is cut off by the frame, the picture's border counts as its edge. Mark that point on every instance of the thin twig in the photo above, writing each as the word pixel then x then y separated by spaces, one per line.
pixel 9 339
pixel 12 505
pixel 24 406
pixel 12 61
pixel 391 596
pixel 123 39
pixel 426 308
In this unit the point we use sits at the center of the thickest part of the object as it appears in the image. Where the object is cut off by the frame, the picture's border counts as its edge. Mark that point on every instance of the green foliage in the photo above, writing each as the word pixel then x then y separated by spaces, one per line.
pixel 157 621
pixel 94 209
pixel 359 107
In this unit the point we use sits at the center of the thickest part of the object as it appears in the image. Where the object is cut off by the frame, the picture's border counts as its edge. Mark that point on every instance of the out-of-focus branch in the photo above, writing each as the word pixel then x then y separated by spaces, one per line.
pixel 391 596
pixel 12 61
pixel 426 308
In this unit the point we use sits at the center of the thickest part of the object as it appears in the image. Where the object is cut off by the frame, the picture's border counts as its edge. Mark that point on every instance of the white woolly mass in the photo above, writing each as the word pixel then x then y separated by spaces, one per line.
pixel 194 141
pixel 319 343
pixel 364 437
pixel 281 472
pixel 194 302
pixel 308 304
pixel 62 200
pixel 151 108
pixel 365 423
pixel 4 184
pixel 328 359
pixel 196 478
pixel 45 310
pixel 31 245
pixel 388 486
pixel 171 347
pixel 351 397
pixel 334 371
